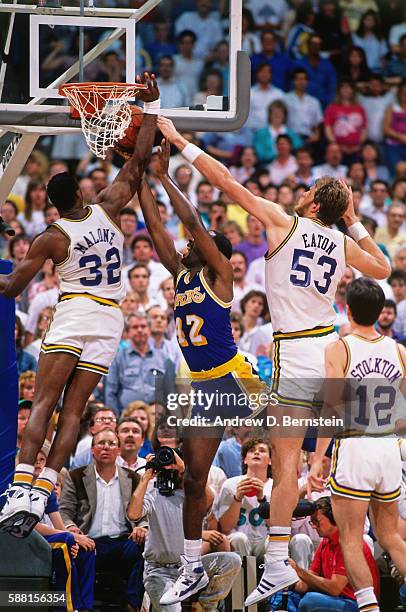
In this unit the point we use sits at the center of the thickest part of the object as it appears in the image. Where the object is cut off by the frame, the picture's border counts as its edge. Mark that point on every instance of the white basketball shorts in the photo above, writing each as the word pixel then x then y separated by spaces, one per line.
pixel 89 328
pixel 366 468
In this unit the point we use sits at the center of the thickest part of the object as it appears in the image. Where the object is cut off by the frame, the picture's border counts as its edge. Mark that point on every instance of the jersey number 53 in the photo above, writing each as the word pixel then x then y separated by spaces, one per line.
pixel 301 274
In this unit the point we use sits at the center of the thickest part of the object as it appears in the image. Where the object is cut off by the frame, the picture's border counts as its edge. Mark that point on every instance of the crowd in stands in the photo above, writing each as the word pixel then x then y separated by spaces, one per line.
pixel 328 97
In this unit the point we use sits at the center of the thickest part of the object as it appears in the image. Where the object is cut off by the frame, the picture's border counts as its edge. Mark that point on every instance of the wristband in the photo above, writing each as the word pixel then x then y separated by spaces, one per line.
pixel 191 152
pixel 237 500
pixel 152 108
pixel 357 231
pixel 260 501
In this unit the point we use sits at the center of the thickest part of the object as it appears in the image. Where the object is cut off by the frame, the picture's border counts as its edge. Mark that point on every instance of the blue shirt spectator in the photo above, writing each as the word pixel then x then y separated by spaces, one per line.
pixel 281 65
pixel 161 45
pixel 228 457
pixel 321 72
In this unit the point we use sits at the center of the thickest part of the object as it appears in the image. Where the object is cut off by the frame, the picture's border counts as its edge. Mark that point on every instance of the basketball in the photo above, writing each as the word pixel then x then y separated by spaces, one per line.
pixel 127 143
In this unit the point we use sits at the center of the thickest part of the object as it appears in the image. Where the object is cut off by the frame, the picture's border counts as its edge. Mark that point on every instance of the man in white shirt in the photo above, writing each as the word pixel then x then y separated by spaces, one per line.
pixel 173 92
pixel 268 12
pixel 131 436
pixel 94 501
pixel 142 252
pixel 375 105
pixel 263 93
pixel 241 285
pixel 304 111
pixel 205 24
pixel 373 205
pixel 332 166
pixel 187 68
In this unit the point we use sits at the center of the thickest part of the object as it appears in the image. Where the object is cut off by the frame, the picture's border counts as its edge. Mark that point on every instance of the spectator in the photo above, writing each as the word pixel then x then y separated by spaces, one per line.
pixel 139 372
pixel 296 42
pixel 223 145
pixel 263 93
pixel 304 111
pixel 35 169
pixel 397 282
pixel 286 198
pixel 354 68
pixel 333 28
pixel 228 456
pixel 325 585
pixel 206 26
pixel 321 72
pixel 158 322
pixel 98 176
pixel 374 205
pixel 265 139
pixel 26 385
pixel 165 541
pixel 24 411
pixel 112 69
pixel 221 62
pixel 45 316
pixel 142 253
pixel 387 319
pixel 101 417
pixel 305 173
pixel 51 214
pixel 131 436
pixel 33 216
pixel 128 225
pixel 396 68
pixel 234 233
pixel 268 13
pixel 217 216
pixel 211 84
pixel 399 259
pixel 251 43
pixel 253 245
pixel 357 175
pixel 392 235
pixel 140 410
pixel 241 287
pixel 183 179
pixel 332 166
pixel 187 68
pixel 355 9
pixel 25 360
pixel 160 46
pixel 237 328
pixel 394 128
pixel 167 291
pixel 129 304
pixel 370 159
pixel 345 122
pixel 48 279
pixel 340 300
pixel 94 500
pixel 279 63
pixel 284 164
pixel 139 280
pixel 257 337
pixel 88 191
pixel 246 167
pixel 369 38
pixel 173 93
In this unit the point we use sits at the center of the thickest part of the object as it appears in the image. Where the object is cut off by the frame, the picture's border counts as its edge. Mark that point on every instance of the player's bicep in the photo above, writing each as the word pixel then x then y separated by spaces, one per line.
pixel 371 262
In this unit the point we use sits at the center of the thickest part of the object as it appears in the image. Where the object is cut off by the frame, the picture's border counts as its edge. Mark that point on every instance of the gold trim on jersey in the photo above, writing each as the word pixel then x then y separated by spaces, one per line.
pixel 367 339
pixel 181 273
pixel 318 222
pixel 110 219
pixel 305 333
pixel 78 220
pixel 347 491
pixel 211 292
pixel 91 367
pixel 282 244
pixel 348 356
pixel 221 370
pixel 386 497
pixel 99 300
pixel 61 263
pixel 61 348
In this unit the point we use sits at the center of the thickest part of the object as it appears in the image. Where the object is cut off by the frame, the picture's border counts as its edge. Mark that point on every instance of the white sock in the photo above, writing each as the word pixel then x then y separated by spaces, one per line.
pixel 366 600
pixel 46 481
pixel 192 550
pixel 278 544
pixel 23 475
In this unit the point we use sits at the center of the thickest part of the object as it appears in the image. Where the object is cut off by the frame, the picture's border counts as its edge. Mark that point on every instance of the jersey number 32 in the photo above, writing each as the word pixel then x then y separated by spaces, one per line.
pixel 93 263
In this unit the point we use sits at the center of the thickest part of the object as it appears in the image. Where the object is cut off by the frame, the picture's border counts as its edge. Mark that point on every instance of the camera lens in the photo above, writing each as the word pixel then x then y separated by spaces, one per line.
pixel 164 456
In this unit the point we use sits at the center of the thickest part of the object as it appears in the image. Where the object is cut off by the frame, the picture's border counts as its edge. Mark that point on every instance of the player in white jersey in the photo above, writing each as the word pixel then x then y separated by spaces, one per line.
pixel 366 470
pixel 305 262
pixel 86 245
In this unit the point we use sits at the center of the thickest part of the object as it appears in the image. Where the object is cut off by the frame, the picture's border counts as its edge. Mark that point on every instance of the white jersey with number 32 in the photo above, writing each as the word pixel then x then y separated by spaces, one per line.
pixel 95 256
pixel 302 274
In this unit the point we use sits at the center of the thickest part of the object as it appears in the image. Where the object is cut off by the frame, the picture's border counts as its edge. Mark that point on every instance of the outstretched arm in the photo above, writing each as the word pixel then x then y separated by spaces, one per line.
pixel 269 213
pixel 162 240
pixel 190 218
pixel 43 247
pixel 365 256
pixel 127 181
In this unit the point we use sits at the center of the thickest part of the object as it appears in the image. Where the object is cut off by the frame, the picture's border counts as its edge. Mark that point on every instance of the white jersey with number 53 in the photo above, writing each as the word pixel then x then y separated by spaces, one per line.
pixel 302 274
pixel 94 261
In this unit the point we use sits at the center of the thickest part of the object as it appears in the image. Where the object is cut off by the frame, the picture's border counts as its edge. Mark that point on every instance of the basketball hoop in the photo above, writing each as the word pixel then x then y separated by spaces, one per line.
pixel 103 109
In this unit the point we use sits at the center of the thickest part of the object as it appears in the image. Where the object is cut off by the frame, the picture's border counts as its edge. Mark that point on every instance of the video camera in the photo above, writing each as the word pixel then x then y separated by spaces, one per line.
pixel 167 481
pixel 304 508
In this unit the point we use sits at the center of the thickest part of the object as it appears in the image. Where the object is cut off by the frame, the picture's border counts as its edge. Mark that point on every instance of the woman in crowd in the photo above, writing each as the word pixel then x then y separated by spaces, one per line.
pixel 373 169
pixel 345 122
pixel 255 312
pixel 355 68
pixel 251 42
pixel 140 411
pixel 26 362
pixel 246 167
pixel 369 38
pixel 234 233
pixel 265 138
pixel 33 216
pixel 394 127
pixel 43 322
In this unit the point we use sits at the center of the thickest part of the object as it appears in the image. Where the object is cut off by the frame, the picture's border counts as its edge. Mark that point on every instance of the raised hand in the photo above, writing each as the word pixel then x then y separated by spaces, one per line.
pixel 168 129
pixel 151 93
pixel 164 152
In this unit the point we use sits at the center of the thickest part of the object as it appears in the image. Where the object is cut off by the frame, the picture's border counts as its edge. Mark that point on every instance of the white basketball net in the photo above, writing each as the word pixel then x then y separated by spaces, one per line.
pixel 104 111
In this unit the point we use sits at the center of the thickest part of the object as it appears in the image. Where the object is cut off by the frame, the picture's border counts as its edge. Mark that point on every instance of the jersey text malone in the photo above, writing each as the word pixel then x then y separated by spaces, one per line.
pixel 94 237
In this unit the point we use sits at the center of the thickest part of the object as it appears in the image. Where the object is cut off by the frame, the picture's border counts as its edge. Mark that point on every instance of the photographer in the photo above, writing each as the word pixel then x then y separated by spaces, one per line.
pixel 164 545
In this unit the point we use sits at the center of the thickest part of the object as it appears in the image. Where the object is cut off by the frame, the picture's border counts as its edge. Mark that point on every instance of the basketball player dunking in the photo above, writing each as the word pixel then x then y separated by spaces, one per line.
pixel 305 261
pixel 86 245
pixel 204 291
pixel 367 469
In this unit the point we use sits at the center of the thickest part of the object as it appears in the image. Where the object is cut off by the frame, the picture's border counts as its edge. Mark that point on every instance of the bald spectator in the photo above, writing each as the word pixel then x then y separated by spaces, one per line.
pixel 391 235
pixel 102 417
